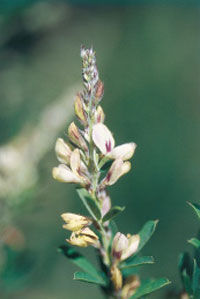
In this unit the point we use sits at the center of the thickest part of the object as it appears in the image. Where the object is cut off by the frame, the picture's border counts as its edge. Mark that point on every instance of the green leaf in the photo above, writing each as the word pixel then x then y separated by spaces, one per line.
pixel 137 261
pixel 195 242
pixel 146 233
pixel 150 286
pixel 185 263
pixel 186 282
pixel 85 277
pixel 195 277
pixel 80 261
pixel 113 227
pixel 90 204
pixel 196 208
pixel 113 212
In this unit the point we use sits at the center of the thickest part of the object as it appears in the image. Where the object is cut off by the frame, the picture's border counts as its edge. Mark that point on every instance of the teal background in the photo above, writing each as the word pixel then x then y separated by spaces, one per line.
pixel 148 57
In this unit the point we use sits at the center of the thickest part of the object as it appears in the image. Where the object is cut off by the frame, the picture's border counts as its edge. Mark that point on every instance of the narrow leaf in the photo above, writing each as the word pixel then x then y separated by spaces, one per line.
pixel 90 204
pixel 113 212
pixel 113 227
pixel 195 277
pixel 195 242
pixel 186 282
pixel 137 261
pixel 85 277
pixel 185 263
pixel 196 208
pixel 146 233
pixel 150 286
pixel 79 260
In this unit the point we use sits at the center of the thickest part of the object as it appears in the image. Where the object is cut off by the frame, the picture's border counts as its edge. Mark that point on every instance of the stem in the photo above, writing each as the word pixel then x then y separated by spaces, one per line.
pixel 95 175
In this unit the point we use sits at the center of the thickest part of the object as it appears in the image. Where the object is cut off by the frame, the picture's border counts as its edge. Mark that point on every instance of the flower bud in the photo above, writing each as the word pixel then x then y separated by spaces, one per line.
pixel 103 138
pixel 76 137
pixel 124 151
pixel 130 286
pixel 75 222
pixel 120 243
pixel 79 110
pixel 133 243
pixel 117 169
pixel 63 151
pixel 116 277
pixel 63 174
pixel 99 115
pixel 99 90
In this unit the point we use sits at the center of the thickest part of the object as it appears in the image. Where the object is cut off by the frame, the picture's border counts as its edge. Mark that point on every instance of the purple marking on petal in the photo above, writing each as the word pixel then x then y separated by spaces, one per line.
pixel 108 176
pixel 108 146
pixel 117 255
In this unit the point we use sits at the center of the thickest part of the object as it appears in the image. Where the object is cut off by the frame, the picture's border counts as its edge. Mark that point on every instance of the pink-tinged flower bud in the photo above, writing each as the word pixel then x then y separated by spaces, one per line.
pixel 117 169
pixel 103 138
pixel 62 173
pixel 99 115
pixel 133 243
pixel 116 277
pixel 83 238
pixel 124 151
pixel 76 137
pixel 120 243
pixel 79 110
pixel 75 222
pixel 99 90
pixel 63 151
pixel 131 284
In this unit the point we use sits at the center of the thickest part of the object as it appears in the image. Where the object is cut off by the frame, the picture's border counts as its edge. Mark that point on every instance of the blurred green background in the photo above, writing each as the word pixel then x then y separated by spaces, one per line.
pixel 149 59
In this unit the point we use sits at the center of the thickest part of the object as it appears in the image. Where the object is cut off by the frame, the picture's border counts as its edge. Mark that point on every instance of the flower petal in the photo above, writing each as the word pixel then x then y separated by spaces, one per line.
pixel 103 138
pixel 75 222
pixel 133 243
pixel 63 151
pixel 75 162
pixel 120 243
pixel 124 151
pixel 117 169
pixel 63 174
pixel 99 115
pixel 75 136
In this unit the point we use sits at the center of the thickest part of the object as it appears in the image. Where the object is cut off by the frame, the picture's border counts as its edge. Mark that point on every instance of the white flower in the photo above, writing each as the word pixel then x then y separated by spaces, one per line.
pixel 117 169
pixel 103 138
pixel 75 222
pixel 124 151
pixel 133 243
pixel 63 151
pixel 123 247
pixel 83 238
pixel 74 174
pixel 75 136
pixel 63 174
pixel 120 243
pixel 105 142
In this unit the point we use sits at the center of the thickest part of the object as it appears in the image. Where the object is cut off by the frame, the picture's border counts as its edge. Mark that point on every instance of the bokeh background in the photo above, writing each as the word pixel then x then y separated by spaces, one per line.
pixel 149 59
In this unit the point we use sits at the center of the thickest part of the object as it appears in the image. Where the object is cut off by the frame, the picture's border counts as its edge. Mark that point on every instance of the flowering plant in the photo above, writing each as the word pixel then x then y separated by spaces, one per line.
pixel 93 162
